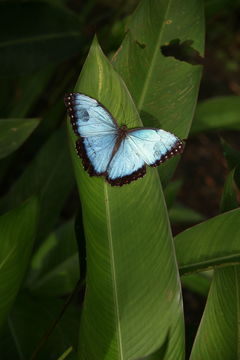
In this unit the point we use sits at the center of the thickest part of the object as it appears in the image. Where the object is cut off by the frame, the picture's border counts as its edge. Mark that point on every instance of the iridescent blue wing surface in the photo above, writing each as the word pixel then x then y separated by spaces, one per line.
pixel 126 165
pixel 139 147
pixel 155 145
pixel 97 131
pixel 88 116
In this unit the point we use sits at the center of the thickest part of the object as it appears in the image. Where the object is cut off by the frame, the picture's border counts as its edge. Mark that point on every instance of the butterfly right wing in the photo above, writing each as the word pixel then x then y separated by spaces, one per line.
pixel 140 147
pixel 155 145
pixel 126 165
pixel 97 130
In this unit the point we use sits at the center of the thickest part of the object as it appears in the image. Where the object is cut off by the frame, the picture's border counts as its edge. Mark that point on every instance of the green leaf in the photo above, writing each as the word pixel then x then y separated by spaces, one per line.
pixel 68 354
pixel 39 33
pixel 164 89
pixel 36 316
pixel 55 265
pixel 132 301
pixel 171 191
pixel 13 132
pixel 199 283
pixel 218 335
pixel 229 196
pixel 60 281
pixel 179 214
pixel 17 235
pixel 231 154
pixel 204 245
pixel 30 88
pixel 50 176
pixel 219 113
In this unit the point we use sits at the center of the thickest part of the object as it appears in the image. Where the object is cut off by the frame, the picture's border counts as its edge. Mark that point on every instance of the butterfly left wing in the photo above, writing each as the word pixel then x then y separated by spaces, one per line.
pixel 95 152
pixel 97 131
pixel 155 145
pixel 88 116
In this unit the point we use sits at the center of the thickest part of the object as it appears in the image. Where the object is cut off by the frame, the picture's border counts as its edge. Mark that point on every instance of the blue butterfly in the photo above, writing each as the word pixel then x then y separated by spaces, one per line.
pixel 117 153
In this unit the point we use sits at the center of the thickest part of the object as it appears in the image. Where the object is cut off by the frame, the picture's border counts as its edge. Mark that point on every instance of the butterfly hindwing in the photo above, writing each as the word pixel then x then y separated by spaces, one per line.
pixel 126 165
pixel 88 117
pixel 155 145
pixel 96 152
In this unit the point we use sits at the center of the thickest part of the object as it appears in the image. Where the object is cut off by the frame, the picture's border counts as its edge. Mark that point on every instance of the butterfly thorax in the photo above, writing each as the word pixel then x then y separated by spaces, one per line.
pixel 122 133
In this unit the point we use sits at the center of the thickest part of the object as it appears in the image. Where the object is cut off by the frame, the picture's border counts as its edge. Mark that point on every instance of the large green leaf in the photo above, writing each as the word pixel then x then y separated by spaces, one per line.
pixel 50 176
pixel 232 156
pixel 30 320
pixel 38 33
pixel 171 191
pixel 180 214
pixel 13 132
pixel 218 335
pixel 30 88
pixel 55 265
pixel 132 304
pixel 204 245
pixel 218 113
pixel 229 195
pixel 164 89
pixel 199 283
pixel 18 231
pixel 219 331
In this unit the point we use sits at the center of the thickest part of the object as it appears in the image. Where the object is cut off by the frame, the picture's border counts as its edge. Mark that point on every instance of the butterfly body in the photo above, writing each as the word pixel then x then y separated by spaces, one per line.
pixel 116 152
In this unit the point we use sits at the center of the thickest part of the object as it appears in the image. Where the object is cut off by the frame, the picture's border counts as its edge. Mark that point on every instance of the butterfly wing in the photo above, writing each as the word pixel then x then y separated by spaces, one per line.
pixel 154 145
pixel 96 152
pixel 88 116
pixel 140 147
pixel 126 165
pixel 97 130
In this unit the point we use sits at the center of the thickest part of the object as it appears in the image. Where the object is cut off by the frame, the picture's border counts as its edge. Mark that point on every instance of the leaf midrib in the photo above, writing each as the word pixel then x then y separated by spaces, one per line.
pixel 15 338
pixel 151 67
pixel 213 262
pixel 113 271
pixel 5 260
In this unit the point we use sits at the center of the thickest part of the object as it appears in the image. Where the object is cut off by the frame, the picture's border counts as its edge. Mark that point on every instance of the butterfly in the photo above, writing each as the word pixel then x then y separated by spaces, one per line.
pixel 116 152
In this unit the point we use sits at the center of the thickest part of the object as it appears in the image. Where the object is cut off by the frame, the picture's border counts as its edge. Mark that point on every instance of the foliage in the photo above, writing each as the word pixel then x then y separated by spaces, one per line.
pixel 97 276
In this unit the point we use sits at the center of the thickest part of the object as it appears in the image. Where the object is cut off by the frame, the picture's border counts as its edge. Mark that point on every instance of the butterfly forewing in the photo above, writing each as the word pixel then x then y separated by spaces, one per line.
pixel 88 117
pixel 155 145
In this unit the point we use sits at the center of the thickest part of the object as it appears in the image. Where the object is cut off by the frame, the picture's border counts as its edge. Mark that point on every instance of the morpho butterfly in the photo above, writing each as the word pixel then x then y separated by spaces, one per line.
pixel 117 153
